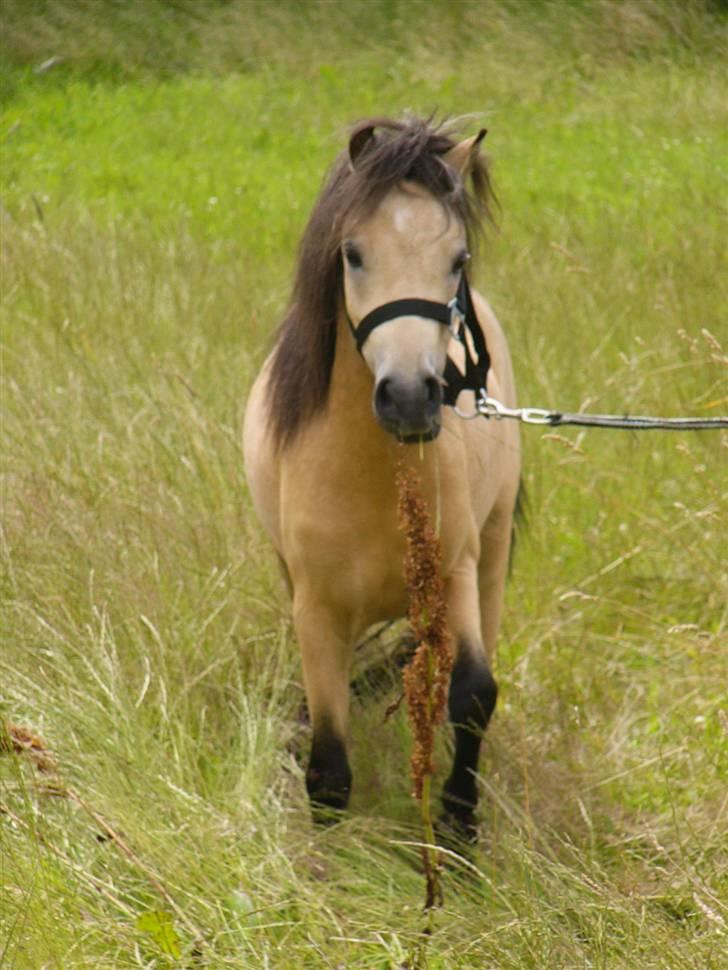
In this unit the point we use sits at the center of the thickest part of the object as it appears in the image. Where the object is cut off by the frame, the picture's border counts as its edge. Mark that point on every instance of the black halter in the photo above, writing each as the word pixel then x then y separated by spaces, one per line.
pixel 459 317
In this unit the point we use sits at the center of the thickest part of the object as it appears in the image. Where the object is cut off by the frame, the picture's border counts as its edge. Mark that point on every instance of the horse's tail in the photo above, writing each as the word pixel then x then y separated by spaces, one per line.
pixel 520 518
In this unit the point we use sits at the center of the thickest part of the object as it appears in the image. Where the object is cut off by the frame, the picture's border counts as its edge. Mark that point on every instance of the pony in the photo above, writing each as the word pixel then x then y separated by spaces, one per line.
pixel 360 365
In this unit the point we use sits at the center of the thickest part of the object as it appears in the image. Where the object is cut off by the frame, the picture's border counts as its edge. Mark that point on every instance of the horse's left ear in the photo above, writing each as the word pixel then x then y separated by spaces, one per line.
pixel 462 156
pixel 360 140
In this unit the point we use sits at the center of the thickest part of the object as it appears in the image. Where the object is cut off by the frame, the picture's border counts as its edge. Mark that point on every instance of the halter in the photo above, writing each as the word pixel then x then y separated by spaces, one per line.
pixel 460 319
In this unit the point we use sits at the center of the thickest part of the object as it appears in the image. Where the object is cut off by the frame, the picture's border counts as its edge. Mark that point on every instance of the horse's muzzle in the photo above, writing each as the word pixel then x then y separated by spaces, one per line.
pixel 410 410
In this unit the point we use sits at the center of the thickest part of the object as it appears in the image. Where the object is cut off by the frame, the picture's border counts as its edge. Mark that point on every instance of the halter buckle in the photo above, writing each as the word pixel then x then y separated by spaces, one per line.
pixel 457 320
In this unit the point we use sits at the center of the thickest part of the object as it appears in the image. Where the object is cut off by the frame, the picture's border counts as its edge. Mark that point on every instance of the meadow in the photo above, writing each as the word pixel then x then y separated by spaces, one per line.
pixel 157 164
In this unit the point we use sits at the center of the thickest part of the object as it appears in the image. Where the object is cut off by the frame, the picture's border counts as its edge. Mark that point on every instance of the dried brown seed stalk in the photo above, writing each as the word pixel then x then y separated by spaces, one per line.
pixel 427 676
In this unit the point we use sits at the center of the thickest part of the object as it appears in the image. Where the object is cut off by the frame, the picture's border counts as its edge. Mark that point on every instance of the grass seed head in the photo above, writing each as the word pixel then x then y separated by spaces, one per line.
pixel 427 676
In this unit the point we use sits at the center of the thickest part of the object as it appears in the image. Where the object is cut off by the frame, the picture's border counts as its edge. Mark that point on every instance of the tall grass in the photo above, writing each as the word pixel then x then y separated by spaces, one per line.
pixel 155 179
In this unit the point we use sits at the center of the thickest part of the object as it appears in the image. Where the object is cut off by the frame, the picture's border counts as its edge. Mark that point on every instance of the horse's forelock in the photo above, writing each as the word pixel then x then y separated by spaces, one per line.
pixel 395 151
pixel 414 150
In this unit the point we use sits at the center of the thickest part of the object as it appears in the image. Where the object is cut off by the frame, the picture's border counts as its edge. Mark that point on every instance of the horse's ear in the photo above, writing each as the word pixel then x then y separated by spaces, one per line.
pixel 462 156
pixel 358 142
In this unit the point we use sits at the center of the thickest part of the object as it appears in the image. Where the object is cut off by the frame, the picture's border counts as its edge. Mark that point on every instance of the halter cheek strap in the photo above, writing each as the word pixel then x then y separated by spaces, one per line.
pixel 460 318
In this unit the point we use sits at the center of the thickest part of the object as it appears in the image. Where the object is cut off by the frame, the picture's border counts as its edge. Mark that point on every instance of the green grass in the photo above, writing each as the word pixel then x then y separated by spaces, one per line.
pixel 155 181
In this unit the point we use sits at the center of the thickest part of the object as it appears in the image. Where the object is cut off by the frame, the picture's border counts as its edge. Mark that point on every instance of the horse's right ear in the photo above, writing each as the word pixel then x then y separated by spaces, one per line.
pixel 462 156
pixel 358 143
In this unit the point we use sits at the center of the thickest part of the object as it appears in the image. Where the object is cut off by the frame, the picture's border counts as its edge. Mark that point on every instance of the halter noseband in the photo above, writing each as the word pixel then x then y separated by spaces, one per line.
pixel 458 316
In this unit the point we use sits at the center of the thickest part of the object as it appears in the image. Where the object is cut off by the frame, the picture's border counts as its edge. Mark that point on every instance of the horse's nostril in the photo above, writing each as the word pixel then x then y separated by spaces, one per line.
pixel 383 400
pixel 434 391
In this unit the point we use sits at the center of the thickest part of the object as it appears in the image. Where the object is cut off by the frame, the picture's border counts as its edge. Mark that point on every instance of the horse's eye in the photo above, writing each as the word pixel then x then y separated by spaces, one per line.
pixel 460 261
pixel 353 256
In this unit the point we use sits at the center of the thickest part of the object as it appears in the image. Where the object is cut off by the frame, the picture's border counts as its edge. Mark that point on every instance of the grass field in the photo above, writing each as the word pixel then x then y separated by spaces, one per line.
pixel 158 161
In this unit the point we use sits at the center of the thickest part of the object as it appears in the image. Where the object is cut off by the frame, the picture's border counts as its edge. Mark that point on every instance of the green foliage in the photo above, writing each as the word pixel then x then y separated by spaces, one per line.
pixel 155 180
pixel 160 926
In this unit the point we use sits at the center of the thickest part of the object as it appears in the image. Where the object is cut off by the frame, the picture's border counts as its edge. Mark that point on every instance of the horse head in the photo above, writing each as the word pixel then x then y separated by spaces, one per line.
pixel 403 262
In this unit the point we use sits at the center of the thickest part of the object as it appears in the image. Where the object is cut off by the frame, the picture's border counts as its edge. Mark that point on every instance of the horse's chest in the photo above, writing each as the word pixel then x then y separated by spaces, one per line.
pixel 347 547
pixel 346 539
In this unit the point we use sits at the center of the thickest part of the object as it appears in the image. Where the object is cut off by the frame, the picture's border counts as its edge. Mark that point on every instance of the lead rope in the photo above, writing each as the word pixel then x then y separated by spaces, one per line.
pixel 490 407
pixel 460 318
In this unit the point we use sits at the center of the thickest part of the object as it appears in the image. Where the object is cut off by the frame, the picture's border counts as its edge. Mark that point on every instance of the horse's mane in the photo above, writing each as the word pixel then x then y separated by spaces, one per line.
pixel 411 149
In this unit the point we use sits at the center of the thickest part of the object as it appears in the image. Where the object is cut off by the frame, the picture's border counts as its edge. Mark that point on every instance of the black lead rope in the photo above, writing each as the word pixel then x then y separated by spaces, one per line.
pixel 637 422
pixel 461 319
pixel 489 407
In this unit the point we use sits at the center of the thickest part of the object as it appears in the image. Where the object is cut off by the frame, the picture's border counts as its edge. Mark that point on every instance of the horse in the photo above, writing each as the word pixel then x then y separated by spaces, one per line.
pixel 360 366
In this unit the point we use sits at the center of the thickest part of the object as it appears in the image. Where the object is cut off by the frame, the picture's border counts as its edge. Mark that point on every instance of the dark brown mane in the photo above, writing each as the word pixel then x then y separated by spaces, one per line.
pixel 397 150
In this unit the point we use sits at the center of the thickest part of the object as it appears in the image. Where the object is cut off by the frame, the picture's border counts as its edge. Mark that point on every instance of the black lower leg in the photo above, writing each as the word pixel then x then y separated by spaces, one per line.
pixel 328 778
pixel 472 698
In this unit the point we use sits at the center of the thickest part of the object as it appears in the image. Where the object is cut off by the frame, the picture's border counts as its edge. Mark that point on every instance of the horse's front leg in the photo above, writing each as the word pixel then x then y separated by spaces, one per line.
pixel 326 656
pixel 471 700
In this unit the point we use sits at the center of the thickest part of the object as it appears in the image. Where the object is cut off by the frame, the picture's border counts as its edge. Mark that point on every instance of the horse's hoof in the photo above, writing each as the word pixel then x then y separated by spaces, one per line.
pixel 328 777
pixel 326 816
pixel 328 804
pixel 459 812
pixel 328 794
pixel 458 828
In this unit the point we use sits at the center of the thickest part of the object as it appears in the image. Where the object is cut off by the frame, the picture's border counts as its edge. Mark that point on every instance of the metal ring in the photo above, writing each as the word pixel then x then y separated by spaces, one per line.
pixel 467 417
